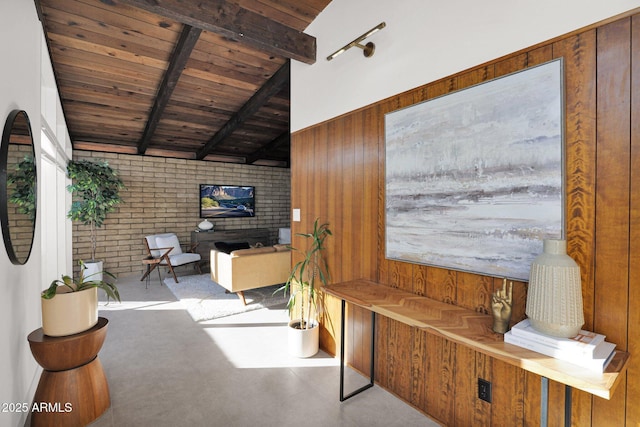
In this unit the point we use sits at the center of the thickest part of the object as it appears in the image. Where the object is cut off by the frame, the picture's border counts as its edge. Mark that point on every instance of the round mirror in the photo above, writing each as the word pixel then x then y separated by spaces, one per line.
pixel 18 187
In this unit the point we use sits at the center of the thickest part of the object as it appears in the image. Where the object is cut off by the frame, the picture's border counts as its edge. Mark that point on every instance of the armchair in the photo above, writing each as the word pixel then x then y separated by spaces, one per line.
pixel 166 248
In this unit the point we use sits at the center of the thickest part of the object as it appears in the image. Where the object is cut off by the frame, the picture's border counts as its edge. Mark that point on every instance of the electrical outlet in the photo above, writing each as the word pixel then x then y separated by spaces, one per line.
pixel 484 390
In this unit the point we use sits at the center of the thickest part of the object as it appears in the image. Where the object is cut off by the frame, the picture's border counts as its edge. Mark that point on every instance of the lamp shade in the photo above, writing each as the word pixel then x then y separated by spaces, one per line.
pixel 554 298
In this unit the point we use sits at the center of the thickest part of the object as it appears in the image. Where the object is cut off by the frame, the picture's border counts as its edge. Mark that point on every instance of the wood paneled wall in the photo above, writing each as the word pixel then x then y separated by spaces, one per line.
pixel 338 176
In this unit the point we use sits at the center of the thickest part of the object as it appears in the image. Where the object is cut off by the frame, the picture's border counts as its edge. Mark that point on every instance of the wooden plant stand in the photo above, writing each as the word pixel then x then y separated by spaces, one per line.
pixel 73 389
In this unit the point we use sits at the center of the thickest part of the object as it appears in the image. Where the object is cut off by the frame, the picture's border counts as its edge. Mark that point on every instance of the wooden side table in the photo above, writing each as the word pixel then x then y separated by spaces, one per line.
pixel 151 264
pixel 73 389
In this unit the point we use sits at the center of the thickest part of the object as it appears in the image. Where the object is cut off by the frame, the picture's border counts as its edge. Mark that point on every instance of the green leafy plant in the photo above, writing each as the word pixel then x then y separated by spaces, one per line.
pixel 23 180
pixel 83 282
pixel 301 283
pixel 97 189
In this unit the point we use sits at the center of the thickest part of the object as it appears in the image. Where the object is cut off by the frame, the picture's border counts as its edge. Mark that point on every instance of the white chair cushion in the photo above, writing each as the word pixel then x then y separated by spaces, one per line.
pixel 167 241
pixel 181 259
pixel 151 241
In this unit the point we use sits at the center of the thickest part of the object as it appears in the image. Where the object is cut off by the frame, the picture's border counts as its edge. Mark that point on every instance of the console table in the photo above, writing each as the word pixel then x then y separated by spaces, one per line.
pixel 207 239
pixel 73 389
pixel 473 330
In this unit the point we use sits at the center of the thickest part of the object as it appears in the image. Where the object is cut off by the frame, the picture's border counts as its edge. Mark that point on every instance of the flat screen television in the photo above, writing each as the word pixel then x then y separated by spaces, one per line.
pixel 226 201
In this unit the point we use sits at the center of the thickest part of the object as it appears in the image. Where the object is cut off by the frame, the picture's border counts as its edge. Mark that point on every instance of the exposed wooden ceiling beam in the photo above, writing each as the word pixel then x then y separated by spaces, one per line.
pixel 262 95
pixel 238 24
pixel 266 149
pixel 181 53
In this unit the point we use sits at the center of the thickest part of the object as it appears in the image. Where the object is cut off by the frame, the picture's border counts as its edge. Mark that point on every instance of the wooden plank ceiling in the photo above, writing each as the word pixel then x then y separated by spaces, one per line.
pixel 183 79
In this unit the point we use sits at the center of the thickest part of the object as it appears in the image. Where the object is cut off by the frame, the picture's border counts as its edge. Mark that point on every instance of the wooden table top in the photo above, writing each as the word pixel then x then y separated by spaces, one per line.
pixel 70 351
pixel 474 330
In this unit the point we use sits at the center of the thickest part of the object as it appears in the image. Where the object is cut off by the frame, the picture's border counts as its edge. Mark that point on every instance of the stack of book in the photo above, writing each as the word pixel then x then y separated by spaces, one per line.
pixel 587 349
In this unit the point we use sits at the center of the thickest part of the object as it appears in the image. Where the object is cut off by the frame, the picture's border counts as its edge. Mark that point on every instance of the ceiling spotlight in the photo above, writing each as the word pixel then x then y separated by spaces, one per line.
pixel 368 49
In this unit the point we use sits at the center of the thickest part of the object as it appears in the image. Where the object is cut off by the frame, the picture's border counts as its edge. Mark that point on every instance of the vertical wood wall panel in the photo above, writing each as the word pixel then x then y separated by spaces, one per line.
pixel 440 379
pixel 602 207
pixel 507 407
pixel 633 375
pixel 579 53
pixel 612 198
pixel 400 359
pixel 419 369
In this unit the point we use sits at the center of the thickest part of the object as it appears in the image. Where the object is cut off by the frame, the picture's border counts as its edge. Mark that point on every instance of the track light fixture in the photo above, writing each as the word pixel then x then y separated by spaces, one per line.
pixel 368 49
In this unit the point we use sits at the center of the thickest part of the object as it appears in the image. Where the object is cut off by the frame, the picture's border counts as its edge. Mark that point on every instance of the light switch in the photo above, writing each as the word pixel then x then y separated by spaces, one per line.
pixel 296 215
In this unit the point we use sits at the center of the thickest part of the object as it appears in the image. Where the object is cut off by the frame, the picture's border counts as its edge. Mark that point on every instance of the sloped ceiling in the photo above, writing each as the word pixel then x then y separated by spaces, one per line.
pixel 176 78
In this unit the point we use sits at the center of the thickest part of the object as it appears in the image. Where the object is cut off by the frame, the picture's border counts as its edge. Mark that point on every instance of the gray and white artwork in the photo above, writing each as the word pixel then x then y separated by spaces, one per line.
pixel 474 179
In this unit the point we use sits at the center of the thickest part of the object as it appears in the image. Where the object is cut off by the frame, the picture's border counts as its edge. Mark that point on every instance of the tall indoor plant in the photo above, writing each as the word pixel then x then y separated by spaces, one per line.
pixel 301 285
pixel 96 187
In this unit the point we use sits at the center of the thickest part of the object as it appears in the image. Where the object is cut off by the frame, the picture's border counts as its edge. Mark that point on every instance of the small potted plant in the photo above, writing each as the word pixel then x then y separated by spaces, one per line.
pixel 70 306
pixel 97 189
pixel 304 332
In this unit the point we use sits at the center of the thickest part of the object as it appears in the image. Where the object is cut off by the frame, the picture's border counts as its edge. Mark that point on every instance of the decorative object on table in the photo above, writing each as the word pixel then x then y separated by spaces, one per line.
pixel 18 187
pixel 474 179
pixel 96 187
pixel 205 225
pixel 583 344
pixel 304 331
pixel 587 349
pixel 70 306
pixel 554 299
pixel 501 303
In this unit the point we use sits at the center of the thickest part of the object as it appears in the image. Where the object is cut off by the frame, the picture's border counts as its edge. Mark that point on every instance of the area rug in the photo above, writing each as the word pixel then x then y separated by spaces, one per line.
pixel 204 299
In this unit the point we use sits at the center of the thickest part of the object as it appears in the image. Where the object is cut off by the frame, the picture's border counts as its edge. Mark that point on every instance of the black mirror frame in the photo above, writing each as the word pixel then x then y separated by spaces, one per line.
pixel 4 196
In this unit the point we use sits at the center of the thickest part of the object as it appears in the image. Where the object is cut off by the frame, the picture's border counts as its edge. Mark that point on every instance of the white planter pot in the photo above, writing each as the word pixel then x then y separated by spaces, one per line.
pixel 94 269
pixel 69 313
pixel 303 342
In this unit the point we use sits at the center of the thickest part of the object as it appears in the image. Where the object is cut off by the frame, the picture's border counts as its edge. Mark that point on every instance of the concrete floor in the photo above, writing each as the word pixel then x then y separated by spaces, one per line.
pixel 164 369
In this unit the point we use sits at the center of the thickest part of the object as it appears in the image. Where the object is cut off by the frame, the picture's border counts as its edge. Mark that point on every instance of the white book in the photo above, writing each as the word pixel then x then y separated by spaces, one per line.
pixel 601 358
pixel 585 343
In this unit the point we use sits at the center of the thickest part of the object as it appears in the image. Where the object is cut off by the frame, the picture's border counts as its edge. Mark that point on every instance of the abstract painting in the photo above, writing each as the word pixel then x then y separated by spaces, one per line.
pixel 474 179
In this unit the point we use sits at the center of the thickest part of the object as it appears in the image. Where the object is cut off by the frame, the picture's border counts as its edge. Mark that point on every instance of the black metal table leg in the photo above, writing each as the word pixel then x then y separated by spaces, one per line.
pixel 567 405
pixel 372 365
pixel 544 402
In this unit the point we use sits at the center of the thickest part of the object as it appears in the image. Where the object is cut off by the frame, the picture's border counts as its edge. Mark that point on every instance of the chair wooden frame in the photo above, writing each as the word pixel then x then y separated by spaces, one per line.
pixel 164 259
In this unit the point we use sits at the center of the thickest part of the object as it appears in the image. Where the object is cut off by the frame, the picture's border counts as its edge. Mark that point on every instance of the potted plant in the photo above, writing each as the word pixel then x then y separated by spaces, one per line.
pixel 303 328
pixel 70 306
pixel 97 189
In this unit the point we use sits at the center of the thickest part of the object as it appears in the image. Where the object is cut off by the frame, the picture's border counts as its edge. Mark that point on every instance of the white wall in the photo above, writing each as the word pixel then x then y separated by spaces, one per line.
pixel 21 78
pixel 422 42
pixel 20 286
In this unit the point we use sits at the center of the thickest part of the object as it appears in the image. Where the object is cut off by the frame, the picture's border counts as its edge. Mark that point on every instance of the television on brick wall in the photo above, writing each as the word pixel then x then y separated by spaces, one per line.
pixel 226 201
